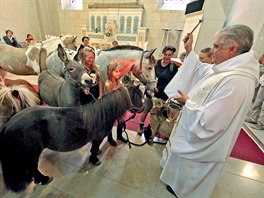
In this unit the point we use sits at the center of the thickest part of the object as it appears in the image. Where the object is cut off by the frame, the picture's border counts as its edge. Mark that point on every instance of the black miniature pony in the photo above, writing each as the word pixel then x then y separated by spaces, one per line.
pixel 29 132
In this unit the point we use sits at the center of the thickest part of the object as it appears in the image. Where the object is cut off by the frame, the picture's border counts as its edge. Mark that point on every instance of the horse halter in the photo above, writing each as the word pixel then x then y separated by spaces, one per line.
pixel 149 84
pixel 135 109
pixel 140 68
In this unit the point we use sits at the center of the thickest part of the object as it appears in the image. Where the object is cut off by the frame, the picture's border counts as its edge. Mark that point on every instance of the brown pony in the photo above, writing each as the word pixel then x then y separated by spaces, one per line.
pixel 19 82
pixel 31 60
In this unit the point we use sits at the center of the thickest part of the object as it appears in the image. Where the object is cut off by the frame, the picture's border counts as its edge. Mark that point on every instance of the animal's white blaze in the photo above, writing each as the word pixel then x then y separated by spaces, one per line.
pixel 32 63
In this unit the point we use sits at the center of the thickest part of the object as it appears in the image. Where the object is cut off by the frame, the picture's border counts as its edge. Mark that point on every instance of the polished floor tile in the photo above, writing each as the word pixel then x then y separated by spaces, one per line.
pixel 129 172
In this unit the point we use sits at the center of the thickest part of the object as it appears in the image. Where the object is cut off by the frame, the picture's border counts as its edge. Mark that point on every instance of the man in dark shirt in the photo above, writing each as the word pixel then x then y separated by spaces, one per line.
pixel 10 40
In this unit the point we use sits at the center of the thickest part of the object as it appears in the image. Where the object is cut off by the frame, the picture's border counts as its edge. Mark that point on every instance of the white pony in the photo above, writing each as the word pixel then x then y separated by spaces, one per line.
pixel 22 61
pixel 53 61
pixel 68 42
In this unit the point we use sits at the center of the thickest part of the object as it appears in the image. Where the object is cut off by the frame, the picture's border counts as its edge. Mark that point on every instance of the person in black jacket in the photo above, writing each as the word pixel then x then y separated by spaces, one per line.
pixel 165 70
pixel 10 40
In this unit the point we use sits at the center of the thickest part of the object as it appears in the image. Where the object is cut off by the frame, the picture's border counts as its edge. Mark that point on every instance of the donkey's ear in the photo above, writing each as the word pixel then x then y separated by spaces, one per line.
pixel 150 53
pixel 62 54
pixel 77 57
pixel 74 38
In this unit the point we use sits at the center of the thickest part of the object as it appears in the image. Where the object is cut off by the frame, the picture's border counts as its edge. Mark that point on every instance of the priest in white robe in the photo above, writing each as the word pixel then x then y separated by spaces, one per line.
pixel 216 99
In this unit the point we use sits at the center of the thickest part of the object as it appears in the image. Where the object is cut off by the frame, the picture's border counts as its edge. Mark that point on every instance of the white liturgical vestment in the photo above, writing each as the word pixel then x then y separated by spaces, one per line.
pixel 219 99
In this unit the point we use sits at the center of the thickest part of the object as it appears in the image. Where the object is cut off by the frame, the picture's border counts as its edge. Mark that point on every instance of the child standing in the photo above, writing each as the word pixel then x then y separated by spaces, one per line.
pixel 113 83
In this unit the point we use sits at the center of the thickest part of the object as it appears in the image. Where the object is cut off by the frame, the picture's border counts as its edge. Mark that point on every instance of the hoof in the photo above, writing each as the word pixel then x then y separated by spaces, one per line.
pixel 150 140
pixel 95 161
pixel 46 180
pixel 139 133
pixel 148 134
pixel 98 163
pixel 112 142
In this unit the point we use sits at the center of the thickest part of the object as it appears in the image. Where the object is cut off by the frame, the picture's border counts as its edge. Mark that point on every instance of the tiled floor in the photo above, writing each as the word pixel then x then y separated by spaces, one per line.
pixel 128 173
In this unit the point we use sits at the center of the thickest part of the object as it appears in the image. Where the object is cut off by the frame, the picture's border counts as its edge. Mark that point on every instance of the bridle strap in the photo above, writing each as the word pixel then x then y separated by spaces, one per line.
pixel 141 60
pixel 136 109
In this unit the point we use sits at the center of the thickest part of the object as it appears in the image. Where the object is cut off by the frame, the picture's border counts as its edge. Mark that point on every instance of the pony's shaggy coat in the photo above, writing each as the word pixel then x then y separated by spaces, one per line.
pixel 29 132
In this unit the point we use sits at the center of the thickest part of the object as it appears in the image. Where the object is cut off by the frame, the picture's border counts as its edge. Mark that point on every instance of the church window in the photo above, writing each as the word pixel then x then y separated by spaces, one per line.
pixel 98 24
pixel 104 23
pixel 135 27
pixel 92 24
pixel 122 24
pixel 129 25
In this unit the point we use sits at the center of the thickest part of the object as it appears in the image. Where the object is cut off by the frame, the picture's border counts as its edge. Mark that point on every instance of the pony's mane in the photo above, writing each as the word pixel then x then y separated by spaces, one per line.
pixel 124 47
pixel 136 95
pixel 6 93
pixel 104 111
pixel 25 96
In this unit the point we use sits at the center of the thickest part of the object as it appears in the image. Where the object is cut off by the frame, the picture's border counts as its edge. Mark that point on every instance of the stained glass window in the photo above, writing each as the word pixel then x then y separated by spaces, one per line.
pixel 129 25
pixel 104 23
pixel 92 24
pixel 135 27
pixel 98 23
pixel 122 24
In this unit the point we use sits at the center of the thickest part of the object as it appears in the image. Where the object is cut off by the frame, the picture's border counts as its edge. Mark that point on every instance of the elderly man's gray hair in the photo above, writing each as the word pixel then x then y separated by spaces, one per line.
pixel 242 35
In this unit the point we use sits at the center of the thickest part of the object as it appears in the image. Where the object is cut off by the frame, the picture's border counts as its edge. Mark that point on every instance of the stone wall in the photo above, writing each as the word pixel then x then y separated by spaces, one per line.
pixel 46 17
pixel 71 21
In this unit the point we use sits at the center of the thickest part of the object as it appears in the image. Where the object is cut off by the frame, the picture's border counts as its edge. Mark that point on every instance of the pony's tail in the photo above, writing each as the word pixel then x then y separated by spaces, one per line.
pixel 16 175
